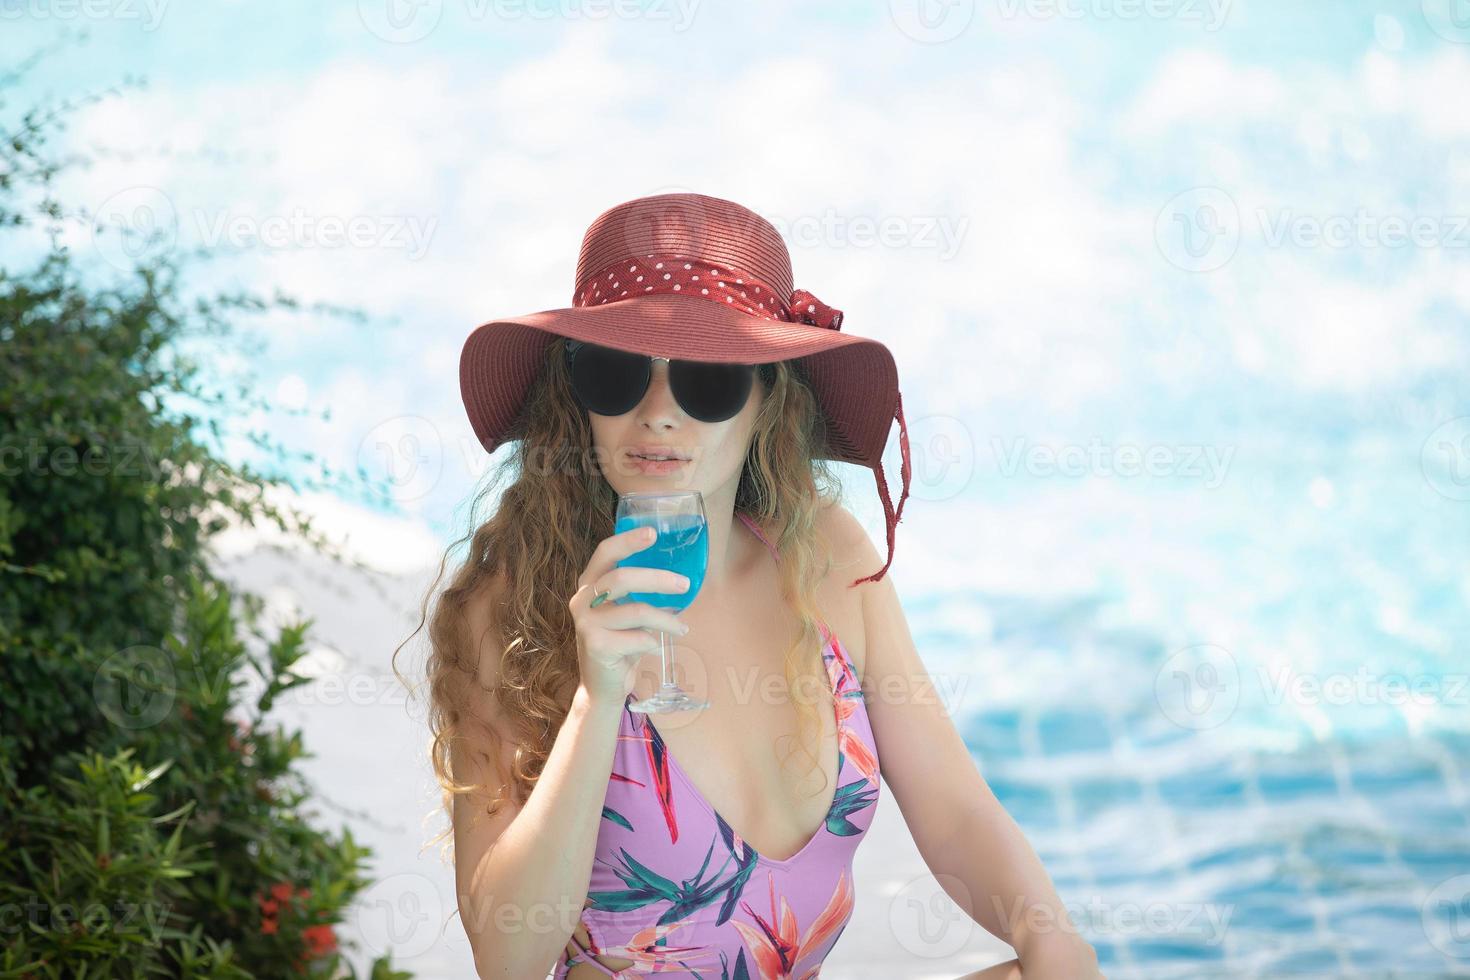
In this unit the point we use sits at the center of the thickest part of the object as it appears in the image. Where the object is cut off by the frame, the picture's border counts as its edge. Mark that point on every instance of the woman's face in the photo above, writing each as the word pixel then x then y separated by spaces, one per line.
pixel 712 454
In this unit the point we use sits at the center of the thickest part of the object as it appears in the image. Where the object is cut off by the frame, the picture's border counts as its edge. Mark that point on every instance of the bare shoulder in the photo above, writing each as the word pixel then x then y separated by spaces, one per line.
pixel 853 556
pixel 845 535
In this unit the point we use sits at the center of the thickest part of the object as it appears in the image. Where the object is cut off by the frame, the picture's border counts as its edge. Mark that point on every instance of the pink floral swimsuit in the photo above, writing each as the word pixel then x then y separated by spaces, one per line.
pixel 677 891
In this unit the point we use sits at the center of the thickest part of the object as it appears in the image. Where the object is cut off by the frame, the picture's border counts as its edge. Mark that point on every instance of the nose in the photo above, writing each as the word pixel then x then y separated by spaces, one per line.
pixel 658 410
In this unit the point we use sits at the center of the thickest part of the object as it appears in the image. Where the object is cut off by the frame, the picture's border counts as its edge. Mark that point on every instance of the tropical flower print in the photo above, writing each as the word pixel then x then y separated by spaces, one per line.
pixel 780 949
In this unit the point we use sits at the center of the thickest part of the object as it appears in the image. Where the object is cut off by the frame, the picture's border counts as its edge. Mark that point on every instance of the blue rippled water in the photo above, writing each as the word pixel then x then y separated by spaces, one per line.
pixel 1234 721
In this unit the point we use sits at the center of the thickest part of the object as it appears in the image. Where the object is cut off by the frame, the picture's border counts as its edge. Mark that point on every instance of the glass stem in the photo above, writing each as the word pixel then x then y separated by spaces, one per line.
pixel 666 655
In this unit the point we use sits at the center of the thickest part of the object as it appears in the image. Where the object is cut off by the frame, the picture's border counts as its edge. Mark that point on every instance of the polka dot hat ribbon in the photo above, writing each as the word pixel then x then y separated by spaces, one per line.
pixel 717 281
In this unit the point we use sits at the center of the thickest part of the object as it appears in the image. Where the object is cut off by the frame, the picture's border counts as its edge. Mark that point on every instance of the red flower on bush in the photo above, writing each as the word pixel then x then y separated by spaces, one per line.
pixel 321 940
pixel 281 893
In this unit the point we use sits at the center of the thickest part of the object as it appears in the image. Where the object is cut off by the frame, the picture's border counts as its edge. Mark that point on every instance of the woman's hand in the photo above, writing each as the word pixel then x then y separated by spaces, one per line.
pixel 610 636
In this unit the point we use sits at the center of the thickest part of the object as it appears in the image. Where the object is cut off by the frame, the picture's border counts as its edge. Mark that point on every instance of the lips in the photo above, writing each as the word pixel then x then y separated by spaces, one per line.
pixel 658 453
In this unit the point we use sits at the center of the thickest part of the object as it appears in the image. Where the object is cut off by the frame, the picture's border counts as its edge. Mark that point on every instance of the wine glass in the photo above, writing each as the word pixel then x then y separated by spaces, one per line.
pixel 682 546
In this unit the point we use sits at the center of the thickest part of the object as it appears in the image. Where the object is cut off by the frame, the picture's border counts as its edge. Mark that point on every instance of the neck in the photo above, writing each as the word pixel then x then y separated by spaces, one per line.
pixel 726 552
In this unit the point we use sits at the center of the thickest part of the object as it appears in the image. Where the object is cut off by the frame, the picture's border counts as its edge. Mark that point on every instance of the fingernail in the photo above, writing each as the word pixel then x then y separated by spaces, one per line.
pixel 684 581
pixel 683 628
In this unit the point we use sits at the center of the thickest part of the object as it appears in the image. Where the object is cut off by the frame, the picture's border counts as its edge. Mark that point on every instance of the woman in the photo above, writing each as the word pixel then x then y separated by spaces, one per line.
pixel 598 841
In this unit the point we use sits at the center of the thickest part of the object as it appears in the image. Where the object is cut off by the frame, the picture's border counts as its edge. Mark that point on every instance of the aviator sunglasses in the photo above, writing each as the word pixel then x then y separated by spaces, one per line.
pixel 612 382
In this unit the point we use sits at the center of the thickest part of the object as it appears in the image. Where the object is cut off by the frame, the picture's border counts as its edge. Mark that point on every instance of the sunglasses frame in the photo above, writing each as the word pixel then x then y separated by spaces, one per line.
pixel 767 373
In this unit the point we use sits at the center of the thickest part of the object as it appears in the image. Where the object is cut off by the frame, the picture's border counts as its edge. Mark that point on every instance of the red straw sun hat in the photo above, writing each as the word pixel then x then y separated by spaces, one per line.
pixel 694 277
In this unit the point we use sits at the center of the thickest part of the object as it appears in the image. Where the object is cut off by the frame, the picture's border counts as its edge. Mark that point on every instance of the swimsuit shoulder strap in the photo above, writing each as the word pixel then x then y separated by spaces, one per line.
pixel 760 534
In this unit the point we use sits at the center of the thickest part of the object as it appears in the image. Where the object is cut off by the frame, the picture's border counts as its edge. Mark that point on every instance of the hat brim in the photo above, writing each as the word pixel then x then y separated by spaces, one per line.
pixel 854 378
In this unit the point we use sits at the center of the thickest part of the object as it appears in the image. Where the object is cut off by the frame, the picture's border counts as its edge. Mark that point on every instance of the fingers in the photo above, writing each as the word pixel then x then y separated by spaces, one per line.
pixel 628 642
pixel 614 548
pixel 638 615
pixel 628 579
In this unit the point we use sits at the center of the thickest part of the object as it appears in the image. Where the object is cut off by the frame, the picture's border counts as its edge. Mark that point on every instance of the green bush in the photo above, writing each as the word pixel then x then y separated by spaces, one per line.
pixel 151 820
pixel 111 875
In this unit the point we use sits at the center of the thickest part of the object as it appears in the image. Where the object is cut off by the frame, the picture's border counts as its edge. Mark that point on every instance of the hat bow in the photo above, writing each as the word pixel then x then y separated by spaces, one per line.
pixel 806 308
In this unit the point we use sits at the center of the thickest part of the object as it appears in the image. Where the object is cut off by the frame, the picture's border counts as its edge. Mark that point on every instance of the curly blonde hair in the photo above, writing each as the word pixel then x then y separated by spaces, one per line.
pixel 553 513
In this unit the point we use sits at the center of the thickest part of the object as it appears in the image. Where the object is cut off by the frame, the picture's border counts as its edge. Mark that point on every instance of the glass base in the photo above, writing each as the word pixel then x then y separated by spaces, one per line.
pixel 670 697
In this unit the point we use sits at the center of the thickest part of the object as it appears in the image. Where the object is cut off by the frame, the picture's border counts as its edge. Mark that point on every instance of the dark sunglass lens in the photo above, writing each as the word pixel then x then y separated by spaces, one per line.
pixel 711 392
pixel 608 381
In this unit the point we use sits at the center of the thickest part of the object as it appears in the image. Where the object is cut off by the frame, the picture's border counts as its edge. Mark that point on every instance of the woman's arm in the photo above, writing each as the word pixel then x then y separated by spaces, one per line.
pixel 522 876
pixel 974 848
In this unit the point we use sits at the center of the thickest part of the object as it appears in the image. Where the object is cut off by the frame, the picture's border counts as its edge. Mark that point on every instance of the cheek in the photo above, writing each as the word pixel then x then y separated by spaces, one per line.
pixel 604 429
pixel 733 442
pixel 605 436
